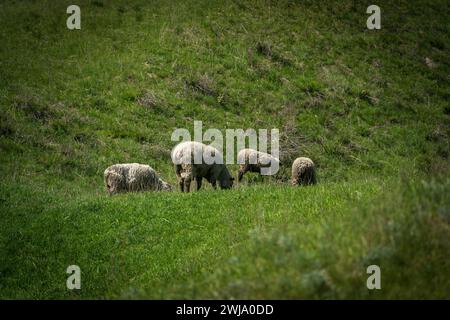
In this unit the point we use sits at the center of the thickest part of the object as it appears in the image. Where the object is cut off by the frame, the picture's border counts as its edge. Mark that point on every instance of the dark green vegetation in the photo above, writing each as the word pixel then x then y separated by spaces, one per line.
pixel 371 108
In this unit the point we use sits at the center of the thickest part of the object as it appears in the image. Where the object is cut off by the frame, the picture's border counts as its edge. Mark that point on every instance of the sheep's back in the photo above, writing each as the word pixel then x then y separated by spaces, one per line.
pixel 301 164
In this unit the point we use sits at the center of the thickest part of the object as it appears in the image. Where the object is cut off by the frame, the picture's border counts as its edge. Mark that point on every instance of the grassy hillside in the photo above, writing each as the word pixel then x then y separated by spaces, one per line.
pixel 370 107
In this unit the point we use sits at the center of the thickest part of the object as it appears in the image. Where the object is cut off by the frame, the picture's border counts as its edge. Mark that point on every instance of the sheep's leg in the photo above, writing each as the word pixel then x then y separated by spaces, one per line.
pixel 178 170
pixel 181 183
pixel 213 183
pixel 199 183
pixel 187 184
pixel 304 178
pixel 308 178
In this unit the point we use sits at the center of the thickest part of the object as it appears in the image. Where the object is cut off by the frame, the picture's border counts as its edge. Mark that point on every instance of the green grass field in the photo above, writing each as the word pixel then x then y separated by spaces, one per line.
pixel 370 107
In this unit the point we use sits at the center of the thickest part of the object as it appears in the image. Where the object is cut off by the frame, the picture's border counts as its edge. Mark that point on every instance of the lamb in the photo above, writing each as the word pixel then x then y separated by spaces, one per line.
pixel 195 161
pixel 303 172
pixel 255 161
pixel 133 177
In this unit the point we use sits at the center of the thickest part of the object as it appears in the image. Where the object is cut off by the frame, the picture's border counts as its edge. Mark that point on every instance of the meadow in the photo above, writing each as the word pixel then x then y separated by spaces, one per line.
pixel 370 107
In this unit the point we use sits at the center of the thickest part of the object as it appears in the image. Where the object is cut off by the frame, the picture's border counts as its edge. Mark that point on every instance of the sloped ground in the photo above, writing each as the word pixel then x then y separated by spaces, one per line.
pixel 369 107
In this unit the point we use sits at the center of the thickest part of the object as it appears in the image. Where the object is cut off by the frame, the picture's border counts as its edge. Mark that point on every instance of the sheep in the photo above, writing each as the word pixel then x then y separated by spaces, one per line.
pixel 132 177
pixel 303 172
pixel 256 161
pixel 195 161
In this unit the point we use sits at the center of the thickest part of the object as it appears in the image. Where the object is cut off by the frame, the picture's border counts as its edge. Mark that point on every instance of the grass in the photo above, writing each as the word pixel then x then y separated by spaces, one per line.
pixel 364 105
pixel 278 242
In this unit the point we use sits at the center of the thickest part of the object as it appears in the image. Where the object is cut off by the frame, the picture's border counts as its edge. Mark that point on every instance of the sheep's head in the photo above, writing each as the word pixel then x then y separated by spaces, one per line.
pixel 114 182
pixel 165 186
pixel 226 179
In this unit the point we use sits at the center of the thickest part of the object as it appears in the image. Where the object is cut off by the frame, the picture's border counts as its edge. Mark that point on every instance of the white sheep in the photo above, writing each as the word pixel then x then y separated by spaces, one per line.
pixel 195 161
pixel 303 172
pixel 132 177
pixel 255 161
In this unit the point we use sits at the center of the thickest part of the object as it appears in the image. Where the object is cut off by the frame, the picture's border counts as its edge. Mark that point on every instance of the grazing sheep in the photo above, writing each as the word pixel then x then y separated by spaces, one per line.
pixel 191 164
pixel 254 161
pixel 131 177
pixel 303 172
